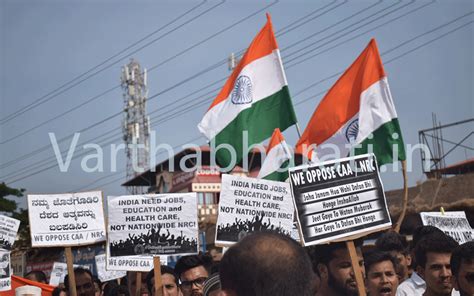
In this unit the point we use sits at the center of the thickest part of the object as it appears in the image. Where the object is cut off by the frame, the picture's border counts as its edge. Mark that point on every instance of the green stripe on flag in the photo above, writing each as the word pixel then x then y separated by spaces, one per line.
pixel 260 120
pixel 382 143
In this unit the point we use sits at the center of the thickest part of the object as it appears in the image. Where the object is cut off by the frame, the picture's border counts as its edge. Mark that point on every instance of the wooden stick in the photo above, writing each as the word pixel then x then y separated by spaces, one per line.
pixel 355 265
pixel 405 197
pixel 70 270
pixel 157 279
pixel 138 283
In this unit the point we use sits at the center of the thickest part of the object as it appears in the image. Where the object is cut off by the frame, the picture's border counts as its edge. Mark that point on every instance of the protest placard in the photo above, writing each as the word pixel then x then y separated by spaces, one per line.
pixel 340 198
pixel 104 274
pixel 8 230
pixel 156 224
pixel 247 205
pixel 133 263
pixel 59 271
pixel 5 271
pixel 69 219
pixel 454 224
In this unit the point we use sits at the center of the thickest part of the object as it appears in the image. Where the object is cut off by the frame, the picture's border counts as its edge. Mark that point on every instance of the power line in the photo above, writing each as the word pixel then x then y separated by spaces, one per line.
pixel 23 157
pixel 47 97
pixel 399 56
pixel 311 19
pixel 289 26
pixel 116 136
pixel 356 36
pixel 351 27
pixel 320 93
pixel 312 35
pixel 123 171
pixel 158 94
pixel 173 57
pixel 187 109
pixel 179 112
pixel 153 68
pixel 426 33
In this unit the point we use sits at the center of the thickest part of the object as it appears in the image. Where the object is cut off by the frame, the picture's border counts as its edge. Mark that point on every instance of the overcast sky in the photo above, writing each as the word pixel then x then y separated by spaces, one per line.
pixel 426 46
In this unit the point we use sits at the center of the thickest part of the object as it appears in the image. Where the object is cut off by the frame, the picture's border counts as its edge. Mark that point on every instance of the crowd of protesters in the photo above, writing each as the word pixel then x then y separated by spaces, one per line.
pixel 269 263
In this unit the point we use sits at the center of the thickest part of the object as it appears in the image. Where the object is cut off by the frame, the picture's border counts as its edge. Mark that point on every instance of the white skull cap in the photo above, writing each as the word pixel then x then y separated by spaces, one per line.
pixel 28 290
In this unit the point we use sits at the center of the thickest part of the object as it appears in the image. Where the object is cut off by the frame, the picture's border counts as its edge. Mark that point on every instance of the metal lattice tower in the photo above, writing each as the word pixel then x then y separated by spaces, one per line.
pixel 136 124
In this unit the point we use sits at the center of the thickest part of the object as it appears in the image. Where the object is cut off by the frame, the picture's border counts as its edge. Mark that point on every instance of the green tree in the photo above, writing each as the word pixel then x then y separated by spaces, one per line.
pixel 11 208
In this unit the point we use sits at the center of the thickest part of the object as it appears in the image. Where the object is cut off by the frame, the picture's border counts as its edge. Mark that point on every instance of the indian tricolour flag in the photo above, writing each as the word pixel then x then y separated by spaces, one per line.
pixel 277 160
pixel 357 113
pixel 253 102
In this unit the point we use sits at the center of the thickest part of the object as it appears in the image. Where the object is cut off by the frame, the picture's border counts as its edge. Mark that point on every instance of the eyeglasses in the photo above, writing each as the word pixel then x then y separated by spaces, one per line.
pixel 188 284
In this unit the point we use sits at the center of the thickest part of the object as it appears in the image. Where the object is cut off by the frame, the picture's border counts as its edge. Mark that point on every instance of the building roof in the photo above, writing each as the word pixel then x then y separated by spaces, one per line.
pixel 463 167
pixel 148 178
pixel 455 193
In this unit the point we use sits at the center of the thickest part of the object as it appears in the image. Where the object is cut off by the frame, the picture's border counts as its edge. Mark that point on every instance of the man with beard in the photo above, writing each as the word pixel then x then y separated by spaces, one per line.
pixel 84 282
pixel 433 255
pixel 193 271
pixel 382 278
pixel 335 269
pixel 462 268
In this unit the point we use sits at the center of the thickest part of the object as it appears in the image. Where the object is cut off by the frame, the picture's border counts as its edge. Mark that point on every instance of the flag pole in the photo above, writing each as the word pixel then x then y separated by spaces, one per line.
pixel 356 268
pixel 157 276
pixel 405 197
pixel 298 130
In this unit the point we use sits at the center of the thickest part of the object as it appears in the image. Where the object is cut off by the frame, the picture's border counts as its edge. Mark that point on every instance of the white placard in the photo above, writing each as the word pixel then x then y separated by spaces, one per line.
pixel 133 263
pixel 454 224
pixel 8 230
pixel 104 274
pixel 248 205
pixel 340 198
pixel 69 219
pixel 5 271
pixel 59 271
pixel 155 224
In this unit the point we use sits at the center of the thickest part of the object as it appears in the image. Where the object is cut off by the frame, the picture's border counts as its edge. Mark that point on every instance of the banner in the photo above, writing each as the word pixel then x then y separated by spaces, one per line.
pixel 340 198
pixel 248 205
pixel 69 219
pixel 8 230
pixel 454 224
pixel 5 271
pixel 104 274
pixel 158 224
pixel 46 290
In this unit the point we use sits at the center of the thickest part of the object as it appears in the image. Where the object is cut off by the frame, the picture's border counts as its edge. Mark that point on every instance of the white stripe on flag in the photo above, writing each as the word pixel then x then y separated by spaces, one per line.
pixel 275 158
pixel 376 108
pixel 267 79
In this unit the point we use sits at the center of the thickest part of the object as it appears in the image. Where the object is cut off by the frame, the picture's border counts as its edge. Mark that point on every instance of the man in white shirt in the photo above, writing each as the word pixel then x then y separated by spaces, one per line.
pixel 415 285
pixel 433 276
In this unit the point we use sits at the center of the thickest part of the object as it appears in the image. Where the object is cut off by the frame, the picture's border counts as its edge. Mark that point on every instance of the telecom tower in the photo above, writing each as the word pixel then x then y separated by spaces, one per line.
pixel 136 124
